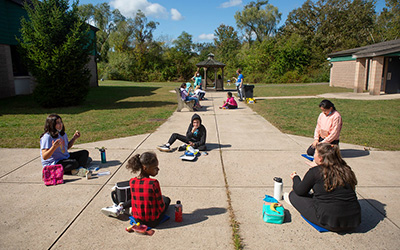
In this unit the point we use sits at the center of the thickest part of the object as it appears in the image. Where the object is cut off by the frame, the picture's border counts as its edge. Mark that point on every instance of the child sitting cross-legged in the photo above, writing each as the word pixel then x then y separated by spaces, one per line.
pixel 230 102
pixel 148 204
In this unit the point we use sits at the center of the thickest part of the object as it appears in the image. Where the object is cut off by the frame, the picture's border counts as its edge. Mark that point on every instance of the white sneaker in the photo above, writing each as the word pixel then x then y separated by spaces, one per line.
pixel 164 148
pixel 286 198
pixel 113 211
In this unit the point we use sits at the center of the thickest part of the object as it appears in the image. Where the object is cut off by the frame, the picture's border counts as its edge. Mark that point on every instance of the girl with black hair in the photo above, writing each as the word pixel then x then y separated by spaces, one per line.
pixel 54 147
pixel 329 125
pixel 148 204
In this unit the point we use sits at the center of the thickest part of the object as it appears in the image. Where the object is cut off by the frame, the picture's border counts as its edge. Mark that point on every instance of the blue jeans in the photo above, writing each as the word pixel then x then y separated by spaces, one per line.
pixel 189 98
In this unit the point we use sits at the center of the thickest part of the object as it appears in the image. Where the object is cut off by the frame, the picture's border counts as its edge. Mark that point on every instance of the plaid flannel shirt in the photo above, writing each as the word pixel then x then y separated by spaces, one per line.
pixel 147 201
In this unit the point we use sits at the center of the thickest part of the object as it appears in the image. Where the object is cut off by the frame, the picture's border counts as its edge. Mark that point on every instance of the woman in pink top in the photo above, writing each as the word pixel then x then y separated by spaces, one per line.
pixel 230 102
pixel 328 127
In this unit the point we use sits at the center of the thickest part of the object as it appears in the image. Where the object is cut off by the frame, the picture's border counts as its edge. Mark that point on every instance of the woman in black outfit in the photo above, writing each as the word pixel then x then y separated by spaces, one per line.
pixel 333 204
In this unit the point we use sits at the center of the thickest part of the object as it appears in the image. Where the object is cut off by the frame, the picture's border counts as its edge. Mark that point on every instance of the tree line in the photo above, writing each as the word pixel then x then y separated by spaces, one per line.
pixel 55 43
pixel 295 52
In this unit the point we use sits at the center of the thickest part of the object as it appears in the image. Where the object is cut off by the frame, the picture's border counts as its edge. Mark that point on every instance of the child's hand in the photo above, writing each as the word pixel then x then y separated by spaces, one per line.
pixel 57 143
pixel 293 174
pixel 77 134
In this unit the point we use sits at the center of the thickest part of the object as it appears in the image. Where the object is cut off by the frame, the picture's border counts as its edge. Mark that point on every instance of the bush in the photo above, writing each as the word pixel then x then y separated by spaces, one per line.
pixel 56 45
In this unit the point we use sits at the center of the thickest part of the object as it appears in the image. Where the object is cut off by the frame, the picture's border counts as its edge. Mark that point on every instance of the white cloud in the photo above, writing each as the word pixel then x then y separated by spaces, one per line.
pixel 206 37
pixel 231 3
pixel 175 15
pixel 129 8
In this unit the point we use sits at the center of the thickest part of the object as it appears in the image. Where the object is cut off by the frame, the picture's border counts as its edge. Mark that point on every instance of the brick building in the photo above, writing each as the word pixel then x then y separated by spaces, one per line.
pixel 372 68
pixel 14 77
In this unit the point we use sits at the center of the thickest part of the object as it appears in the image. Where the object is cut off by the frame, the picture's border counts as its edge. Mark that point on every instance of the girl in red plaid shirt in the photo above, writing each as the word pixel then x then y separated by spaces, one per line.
pixel 148 204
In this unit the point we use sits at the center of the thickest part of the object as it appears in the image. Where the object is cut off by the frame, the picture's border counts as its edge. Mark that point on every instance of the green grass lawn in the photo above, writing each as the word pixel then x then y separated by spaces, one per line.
pixel 115 109
pixel 369 123
pixel 295 90
pixel 119 109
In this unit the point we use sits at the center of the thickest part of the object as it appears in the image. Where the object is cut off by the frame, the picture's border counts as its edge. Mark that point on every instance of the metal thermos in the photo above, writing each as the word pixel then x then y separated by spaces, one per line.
pixel 278 188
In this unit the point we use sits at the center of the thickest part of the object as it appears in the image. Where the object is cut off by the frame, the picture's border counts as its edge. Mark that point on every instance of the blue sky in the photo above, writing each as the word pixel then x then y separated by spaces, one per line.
pixel 198 18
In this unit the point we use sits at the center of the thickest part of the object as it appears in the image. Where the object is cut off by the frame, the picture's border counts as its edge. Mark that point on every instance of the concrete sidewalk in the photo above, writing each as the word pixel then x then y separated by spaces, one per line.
pixel 246 152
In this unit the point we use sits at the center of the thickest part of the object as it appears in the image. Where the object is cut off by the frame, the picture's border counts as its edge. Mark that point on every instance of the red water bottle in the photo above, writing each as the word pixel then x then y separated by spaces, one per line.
pixel 178 211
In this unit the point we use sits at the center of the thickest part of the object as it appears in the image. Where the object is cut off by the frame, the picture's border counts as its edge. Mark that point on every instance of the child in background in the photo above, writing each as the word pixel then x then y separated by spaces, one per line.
pixel 147 202
pixel 199 93
pixel 186 97
pixel 54 147
pixel 230 102
pixel 197 80
pixel 195 136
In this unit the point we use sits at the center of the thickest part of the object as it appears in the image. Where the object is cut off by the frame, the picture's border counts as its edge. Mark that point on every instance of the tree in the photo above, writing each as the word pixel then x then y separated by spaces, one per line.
pixel 56 45
pixel 332 25
pixel 181 54
pixel 388 22
pixel 257 21
pixel 106 21
pixel 142 38
pixel 227 45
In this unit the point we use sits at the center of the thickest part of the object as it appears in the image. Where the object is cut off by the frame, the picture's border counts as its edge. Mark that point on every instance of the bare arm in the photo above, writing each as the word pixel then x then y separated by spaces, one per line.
pixel 72 141
pixel 48 152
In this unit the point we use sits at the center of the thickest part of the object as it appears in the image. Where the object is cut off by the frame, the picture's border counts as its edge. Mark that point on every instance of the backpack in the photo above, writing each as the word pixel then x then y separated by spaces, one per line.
pixel 53 175
pixel 121 192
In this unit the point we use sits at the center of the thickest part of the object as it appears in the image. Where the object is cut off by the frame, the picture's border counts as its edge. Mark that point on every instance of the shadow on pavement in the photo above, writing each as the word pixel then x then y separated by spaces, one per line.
pixel 196 216
pixel 370 219
pixel 288 216
pixel 104 165
pixel 212 146
pixel 352 153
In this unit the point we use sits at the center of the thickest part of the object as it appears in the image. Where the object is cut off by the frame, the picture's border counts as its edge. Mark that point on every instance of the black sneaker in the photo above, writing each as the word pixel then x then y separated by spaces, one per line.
pixel 164 148
pixel 182 148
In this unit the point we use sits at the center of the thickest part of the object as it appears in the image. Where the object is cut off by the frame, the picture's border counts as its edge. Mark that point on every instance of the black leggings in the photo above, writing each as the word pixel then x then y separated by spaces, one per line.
pixel 311 149
pixel 228 106
pixel 76 159
pixel 182 138
pixel 154 223
pixel 305 206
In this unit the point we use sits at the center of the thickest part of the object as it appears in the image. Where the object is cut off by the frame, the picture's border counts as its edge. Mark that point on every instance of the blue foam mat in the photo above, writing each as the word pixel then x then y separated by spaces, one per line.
pixel 318 228
pixel 308 157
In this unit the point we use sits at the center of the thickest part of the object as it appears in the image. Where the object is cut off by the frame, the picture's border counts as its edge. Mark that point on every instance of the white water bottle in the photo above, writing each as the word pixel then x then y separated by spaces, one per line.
pixel 278 188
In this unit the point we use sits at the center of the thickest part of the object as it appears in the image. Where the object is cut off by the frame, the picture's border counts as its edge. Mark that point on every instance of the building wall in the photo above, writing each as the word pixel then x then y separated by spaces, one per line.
pixel 92 65
pixel 343 74
pixel 10 21
pixel 6 72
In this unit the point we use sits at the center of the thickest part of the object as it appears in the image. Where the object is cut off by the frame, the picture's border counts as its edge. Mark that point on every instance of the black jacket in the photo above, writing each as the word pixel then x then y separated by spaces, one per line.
pixel 199 136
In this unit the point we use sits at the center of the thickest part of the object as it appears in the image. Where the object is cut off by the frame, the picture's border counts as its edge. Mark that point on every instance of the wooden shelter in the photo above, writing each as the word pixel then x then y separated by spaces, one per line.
pixel 210 63
pixel 375 68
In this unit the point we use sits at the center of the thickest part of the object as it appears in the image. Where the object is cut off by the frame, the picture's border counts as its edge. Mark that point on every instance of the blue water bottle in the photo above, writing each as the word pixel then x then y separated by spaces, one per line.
pixel 103 155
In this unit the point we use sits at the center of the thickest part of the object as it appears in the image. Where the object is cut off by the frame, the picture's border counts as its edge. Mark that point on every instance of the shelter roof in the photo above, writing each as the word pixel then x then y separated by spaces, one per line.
pixel 377 49
pixel 211 63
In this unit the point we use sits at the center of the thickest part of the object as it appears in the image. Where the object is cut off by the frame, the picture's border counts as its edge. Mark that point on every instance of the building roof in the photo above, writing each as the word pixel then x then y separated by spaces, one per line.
pixel 21 2
pixel 211 63
pixel 377 49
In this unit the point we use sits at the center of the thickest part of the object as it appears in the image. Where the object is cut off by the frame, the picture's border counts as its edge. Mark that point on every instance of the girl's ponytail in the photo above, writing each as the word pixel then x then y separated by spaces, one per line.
pixel 137 161
pixel 134 163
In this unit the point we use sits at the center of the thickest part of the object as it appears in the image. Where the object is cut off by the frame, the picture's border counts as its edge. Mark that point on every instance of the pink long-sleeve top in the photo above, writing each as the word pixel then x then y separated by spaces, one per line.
pixel 230 101
pixel 328 127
